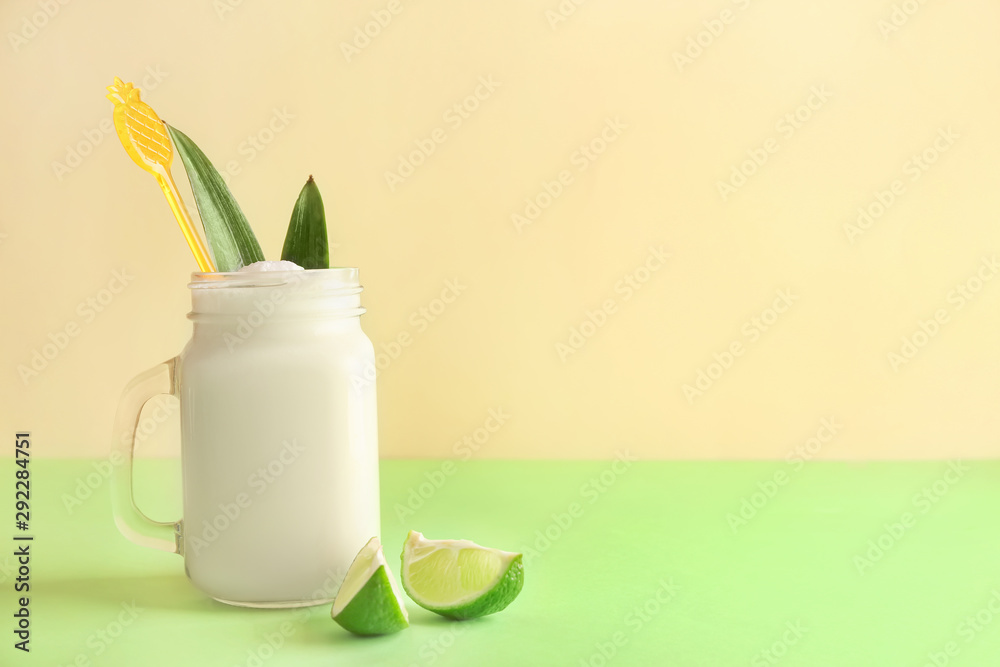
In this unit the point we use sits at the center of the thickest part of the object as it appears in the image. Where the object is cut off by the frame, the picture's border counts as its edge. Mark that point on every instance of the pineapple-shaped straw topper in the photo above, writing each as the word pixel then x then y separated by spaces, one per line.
pixel 145 139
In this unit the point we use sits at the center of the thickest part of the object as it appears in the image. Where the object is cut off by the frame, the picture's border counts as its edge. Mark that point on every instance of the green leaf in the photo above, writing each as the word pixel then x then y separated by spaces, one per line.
pixel 306 242
pixel 230 239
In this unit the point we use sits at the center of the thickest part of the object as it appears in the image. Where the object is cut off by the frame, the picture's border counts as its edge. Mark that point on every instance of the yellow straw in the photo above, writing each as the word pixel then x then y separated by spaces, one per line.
pixel 145 139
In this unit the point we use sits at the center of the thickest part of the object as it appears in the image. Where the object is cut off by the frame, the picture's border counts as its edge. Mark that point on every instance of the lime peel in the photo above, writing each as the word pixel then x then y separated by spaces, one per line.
pixel 458 578
pixel 369 601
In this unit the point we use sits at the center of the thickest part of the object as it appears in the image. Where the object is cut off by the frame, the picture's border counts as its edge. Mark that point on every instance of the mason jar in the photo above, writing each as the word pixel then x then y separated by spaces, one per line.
pixel 279 446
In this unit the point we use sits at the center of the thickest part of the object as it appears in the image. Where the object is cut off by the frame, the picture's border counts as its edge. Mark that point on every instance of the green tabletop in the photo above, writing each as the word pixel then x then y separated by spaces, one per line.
pixel 627 563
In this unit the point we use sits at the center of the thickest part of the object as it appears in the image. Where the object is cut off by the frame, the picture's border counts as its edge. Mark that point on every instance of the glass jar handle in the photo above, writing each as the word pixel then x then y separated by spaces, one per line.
pixel 130 520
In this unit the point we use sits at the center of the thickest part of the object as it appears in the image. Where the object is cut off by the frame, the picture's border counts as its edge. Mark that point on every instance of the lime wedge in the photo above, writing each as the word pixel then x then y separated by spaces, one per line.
pixel 458 578
pixel 369 601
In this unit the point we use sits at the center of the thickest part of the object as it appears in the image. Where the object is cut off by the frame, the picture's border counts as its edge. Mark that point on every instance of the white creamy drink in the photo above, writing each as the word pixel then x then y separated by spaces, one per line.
pixel 278 431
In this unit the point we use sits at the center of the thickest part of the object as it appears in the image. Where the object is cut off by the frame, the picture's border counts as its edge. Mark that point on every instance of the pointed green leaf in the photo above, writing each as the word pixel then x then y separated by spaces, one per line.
pixel 230 239
pixel 306 241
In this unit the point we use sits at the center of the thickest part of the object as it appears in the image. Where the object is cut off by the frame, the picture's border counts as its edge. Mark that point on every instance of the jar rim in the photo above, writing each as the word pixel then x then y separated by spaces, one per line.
pixel 334 279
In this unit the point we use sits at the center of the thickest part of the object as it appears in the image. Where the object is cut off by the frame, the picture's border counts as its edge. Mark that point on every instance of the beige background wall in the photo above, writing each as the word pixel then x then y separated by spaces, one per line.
pixel 886 81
